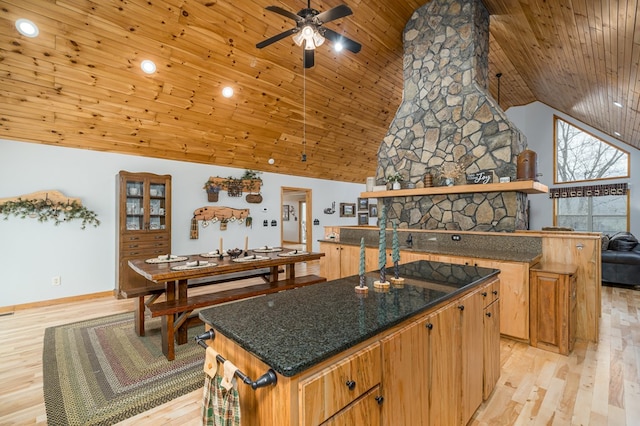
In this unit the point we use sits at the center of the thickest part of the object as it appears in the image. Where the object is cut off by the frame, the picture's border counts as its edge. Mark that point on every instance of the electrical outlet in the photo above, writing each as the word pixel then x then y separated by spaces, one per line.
pixel 456 237
pixel 55 280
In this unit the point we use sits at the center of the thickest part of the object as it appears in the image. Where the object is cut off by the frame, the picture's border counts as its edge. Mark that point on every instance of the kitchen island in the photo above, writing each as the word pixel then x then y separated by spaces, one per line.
pixel 341 357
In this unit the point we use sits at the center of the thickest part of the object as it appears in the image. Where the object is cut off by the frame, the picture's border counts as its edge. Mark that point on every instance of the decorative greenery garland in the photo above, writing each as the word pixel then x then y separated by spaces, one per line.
pixel 46 210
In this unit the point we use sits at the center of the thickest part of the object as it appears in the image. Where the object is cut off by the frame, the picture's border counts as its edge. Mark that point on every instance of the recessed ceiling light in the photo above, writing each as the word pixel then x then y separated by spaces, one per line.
pixel 148 66
pixel 27 28
pixel 616 133
pixel 618 104
pixel 271 161
pixel 227 92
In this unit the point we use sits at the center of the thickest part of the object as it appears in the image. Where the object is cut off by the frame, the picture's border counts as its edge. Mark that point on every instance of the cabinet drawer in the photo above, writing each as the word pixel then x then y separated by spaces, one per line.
pixel 334 388
pixel 490 293
pixel 365 411
pixel 144 237
pixel 142 251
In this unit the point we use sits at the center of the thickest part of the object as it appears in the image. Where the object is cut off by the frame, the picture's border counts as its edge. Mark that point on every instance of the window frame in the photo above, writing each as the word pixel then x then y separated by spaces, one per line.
pixel 590 216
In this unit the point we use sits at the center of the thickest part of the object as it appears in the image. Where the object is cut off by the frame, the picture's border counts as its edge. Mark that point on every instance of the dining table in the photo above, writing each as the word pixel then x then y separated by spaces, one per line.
pixel 175 271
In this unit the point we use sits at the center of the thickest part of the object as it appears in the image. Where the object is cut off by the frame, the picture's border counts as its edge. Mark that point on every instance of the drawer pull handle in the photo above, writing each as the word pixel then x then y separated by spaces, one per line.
pixel 380 399
pixel 429 326
pixel 488 314
pixel 351 384
pixel 484 294
pixel 495 292
pixel 461 307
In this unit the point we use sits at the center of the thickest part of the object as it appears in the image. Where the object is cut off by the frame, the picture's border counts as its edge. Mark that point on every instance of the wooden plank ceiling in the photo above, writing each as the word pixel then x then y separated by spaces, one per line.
pixel 79 83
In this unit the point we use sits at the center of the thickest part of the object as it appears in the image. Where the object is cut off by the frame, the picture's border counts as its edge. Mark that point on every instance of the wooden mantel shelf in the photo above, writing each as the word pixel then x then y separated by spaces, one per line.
pixel 526 186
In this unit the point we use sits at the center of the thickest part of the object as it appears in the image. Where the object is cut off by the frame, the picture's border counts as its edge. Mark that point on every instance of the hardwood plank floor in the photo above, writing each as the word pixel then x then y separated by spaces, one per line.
pixel 598 384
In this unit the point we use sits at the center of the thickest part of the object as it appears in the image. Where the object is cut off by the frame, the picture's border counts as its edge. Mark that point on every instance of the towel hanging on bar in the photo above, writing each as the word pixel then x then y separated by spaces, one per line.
pixel 220 405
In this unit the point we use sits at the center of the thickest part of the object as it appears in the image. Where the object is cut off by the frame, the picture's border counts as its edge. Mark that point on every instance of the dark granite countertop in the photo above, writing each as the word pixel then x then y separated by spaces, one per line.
pixel 294 330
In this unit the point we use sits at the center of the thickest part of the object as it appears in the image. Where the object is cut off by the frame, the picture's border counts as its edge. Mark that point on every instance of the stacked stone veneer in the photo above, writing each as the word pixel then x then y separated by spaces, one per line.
pixel 448 123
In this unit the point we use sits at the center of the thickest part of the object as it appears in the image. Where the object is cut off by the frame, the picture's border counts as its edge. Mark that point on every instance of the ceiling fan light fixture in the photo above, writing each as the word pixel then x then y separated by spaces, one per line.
pixel 309 36
pixel 338 46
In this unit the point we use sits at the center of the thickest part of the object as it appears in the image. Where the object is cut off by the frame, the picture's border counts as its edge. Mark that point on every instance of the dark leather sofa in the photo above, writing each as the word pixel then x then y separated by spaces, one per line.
pixel 621 259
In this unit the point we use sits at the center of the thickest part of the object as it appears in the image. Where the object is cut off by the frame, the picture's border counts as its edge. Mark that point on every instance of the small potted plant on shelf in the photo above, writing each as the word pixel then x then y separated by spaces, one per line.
pixel 394 180
pixel 213 190
pixel 251 182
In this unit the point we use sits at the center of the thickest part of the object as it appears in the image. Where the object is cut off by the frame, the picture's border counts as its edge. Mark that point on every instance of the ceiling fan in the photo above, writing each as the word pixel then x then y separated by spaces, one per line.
pixel 310 32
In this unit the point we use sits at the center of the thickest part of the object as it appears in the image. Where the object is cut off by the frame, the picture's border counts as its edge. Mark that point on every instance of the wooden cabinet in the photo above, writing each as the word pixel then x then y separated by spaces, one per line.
pixel 343 260
pixel 333 389
pixel 144 223
pixel 491 338
pixel 514 292
pixel 438 363
pixel 553 307
pixel 339 260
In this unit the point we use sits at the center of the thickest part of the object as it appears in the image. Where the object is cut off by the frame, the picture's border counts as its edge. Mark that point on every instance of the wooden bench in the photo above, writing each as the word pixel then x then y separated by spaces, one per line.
pixel 154 291
pixel 177 313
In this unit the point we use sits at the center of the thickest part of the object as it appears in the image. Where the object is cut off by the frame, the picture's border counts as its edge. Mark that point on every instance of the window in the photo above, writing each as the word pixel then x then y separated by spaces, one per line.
pixel 607 214
pixel 580 157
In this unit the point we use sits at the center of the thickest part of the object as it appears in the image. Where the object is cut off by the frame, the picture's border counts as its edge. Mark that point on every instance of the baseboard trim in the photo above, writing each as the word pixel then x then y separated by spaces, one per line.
pixel 9 309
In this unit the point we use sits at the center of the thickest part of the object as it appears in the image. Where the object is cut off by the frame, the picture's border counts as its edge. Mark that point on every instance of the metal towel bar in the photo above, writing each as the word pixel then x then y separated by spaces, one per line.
pixel 268 378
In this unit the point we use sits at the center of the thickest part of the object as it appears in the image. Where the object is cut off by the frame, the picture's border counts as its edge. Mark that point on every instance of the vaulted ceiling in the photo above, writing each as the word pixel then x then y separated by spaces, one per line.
pixel 79 84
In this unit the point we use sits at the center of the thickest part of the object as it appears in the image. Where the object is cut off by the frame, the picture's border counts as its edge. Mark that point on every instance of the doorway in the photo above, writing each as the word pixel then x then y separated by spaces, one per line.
pixel 295 232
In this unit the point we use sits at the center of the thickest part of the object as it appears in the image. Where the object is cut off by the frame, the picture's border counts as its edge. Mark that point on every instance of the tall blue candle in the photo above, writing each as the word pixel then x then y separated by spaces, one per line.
pixel 382 257
pixel 362 256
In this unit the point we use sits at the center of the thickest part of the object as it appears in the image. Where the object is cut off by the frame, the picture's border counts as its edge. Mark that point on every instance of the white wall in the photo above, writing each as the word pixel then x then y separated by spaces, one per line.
pixel 31 253
pixel 536 122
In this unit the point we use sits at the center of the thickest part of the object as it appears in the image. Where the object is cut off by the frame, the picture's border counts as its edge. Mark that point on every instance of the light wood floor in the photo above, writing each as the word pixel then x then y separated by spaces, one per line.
pixel 595 385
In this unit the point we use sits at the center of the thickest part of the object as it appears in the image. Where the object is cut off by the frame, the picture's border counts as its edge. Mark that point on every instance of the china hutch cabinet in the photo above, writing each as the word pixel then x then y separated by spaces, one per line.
pixel 144 223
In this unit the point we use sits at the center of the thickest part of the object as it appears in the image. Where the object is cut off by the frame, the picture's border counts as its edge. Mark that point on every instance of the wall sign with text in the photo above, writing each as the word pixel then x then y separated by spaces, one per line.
pixel 482 177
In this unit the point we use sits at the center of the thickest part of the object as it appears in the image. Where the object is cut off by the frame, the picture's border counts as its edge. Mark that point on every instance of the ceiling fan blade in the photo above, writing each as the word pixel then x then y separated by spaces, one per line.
pixel 275 38
pixel 334 37
pixel 333 14
pixel 284 12
pixel 308 58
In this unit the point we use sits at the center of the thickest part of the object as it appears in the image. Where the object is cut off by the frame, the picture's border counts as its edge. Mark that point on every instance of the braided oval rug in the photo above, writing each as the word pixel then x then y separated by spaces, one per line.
pixel 99 372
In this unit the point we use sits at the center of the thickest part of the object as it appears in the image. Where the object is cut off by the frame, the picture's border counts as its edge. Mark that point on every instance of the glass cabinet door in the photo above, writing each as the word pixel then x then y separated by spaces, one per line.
pixel 135 205
pixel 157 206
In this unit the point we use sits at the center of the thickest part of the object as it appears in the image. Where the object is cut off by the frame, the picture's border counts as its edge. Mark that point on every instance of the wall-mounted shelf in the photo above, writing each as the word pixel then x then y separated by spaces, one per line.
pixel 525 186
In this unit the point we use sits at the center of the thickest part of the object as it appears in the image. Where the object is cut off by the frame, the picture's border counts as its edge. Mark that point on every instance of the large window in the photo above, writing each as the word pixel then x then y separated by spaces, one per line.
pixel 580 157
pixel 606 214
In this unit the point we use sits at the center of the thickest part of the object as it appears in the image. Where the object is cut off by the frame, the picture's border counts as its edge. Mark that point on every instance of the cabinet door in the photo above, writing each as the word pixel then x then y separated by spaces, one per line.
pixel 349 260
pixel 491 348
pixel 471 309
pixel 365 411
pixel 514 297
pixel 412 256
pixel 330 263
pixel 405 375
pixel 445 367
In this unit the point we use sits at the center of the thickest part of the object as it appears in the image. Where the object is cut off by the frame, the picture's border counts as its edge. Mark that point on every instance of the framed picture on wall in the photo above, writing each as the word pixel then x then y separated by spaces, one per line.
pixel 347 209
pixel 363 204
pixel 363 218
pixel 285 212
pixel 373 210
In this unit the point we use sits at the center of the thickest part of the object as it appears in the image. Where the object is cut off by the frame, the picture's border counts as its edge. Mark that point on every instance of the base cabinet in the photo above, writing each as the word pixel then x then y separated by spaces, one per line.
pixel 438 363
pixel 430 370
pixel 553 308
pixel 339 260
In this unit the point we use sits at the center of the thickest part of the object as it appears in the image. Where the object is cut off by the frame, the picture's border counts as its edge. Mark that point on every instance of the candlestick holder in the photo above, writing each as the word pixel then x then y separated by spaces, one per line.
pixel 362 288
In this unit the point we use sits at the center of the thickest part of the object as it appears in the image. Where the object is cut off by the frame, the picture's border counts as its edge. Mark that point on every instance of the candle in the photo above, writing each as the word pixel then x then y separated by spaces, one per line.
pixel 382 247
pixel 220 245
pixel 362 256
pixel 395 245
pixel 246 243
